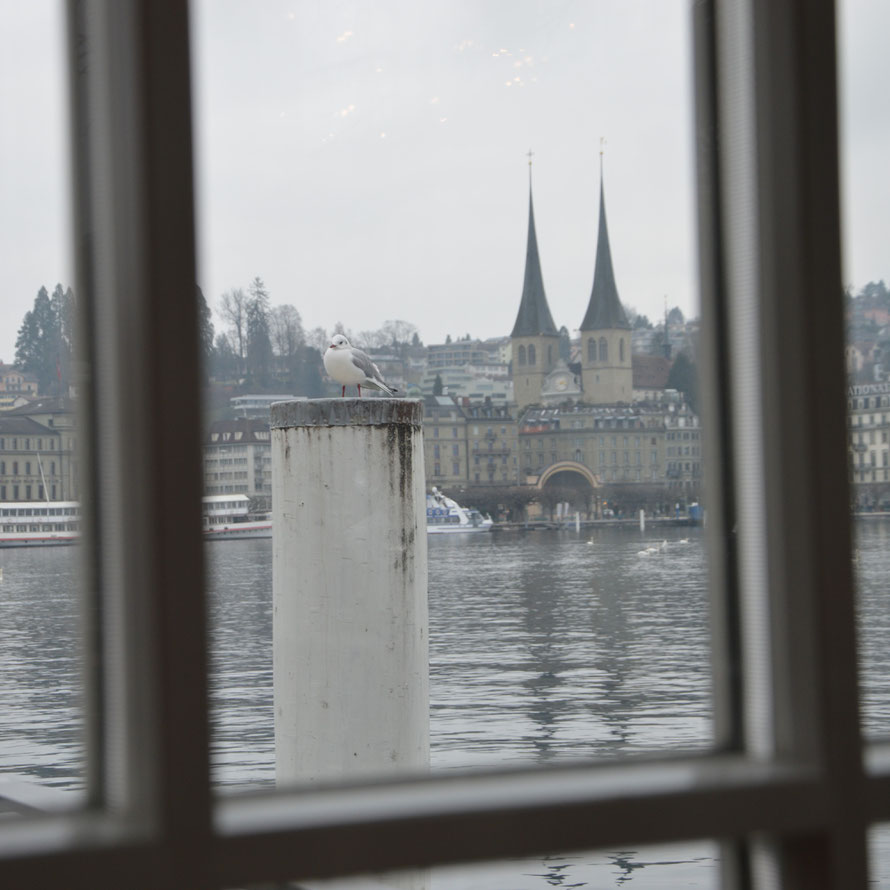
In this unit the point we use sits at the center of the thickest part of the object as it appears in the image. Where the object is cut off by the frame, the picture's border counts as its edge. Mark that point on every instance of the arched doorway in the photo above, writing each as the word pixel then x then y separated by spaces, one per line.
pixel 568 482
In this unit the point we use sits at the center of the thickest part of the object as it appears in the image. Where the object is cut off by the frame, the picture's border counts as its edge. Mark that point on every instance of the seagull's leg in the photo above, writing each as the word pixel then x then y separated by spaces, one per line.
pixel 359 389
pixel 343 392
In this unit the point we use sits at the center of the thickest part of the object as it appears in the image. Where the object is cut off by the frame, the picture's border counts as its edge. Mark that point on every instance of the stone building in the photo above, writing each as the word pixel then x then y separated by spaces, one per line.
pixel 14 382
pixel 600 417
pixel 444 441
pixel 868 442
pixel 607 375
pixel 469 443
pixel 38 452
pixel 534 340
pixel 238 458
pixel 491 444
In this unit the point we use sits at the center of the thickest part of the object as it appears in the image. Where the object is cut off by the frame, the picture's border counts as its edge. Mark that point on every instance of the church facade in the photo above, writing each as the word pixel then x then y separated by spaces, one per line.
pixel 580 424
pixel 606 372
pixel 578 429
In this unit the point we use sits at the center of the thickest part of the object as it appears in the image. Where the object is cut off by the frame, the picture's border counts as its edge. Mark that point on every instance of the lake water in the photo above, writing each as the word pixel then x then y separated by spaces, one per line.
pixel 544 647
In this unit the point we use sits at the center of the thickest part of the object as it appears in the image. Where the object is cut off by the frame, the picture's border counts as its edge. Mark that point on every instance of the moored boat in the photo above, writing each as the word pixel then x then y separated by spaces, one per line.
pixel 52 523
pixel 445 516
pixel 39 523
pixel 227 517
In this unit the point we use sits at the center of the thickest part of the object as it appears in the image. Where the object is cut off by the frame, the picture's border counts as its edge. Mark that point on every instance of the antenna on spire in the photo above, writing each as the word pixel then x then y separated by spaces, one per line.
pixel 529 154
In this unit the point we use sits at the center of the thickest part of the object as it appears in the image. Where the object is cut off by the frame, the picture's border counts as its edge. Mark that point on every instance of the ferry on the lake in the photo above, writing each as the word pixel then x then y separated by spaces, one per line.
pixel 445 516
pixel 39 523
pixel 227 517
pixel 50 523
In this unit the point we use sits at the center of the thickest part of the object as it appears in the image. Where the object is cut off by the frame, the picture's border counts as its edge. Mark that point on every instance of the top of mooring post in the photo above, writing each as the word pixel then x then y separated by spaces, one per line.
pixel 347 412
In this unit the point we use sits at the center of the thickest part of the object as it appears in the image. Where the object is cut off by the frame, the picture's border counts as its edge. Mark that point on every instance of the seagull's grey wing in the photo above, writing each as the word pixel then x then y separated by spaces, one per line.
pixel 363 362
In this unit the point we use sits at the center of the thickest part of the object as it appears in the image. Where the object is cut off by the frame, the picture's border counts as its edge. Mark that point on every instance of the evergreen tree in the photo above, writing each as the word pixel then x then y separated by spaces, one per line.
pixel 205 327
pixel 259 341
pixel 438 386
pixel 224 363
pixel 45 341
pixel 306 378
pixel 675 316
pixel 684 378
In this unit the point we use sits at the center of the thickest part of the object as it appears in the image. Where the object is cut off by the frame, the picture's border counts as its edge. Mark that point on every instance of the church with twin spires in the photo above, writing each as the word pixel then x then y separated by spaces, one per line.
pixel 539 374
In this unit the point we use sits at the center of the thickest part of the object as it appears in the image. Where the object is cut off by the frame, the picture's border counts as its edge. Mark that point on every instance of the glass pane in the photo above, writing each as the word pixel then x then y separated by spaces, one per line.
pixel 366 171
pixel 865 190
pixel 663 867
pixel 879 856
pixel 41 751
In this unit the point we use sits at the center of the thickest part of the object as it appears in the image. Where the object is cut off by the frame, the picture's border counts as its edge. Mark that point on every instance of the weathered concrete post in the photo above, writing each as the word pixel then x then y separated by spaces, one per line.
pixel 349 585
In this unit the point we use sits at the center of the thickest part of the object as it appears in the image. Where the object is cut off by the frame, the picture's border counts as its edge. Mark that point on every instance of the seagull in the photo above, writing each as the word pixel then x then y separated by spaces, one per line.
pixel 352 367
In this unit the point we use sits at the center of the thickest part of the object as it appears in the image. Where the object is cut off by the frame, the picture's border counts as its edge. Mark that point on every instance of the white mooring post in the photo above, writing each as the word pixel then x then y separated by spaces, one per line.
pixel 349 586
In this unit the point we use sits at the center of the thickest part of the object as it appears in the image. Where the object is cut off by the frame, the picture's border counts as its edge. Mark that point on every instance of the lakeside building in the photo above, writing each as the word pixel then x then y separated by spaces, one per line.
pixel 257 405
pixel 868 444
pixel 15 382
pixel 38 452
pixel 238 458
pixel 468 442
pixel 604 415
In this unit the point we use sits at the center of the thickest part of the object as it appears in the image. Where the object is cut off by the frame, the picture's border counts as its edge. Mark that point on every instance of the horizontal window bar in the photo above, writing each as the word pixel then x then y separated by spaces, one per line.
pixel 319 834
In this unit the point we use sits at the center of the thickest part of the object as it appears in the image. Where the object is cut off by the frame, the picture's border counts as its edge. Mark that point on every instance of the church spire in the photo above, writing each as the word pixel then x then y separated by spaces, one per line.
pixel 534 316
pixel 604 310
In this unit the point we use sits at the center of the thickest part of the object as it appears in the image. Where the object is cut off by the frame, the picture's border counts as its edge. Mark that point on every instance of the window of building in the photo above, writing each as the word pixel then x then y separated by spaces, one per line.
pixel 531 353
pixel 793 798
pixel 604 349
pixel 521 352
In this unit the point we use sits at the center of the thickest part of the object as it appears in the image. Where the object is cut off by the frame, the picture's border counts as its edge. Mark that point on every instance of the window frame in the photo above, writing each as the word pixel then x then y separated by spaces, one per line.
pixel 789 783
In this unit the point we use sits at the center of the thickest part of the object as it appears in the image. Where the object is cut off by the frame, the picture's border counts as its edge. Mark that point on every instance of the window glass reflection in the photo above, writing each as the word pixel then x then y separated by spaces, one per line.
pixel 41 751
pixel 865 189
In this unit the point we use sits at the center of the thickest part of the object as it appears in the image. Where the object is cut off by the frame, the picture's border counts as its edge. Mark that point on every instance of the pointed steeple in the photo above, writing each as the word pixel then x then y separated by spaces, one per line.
pixel 604 310
pixel 534 316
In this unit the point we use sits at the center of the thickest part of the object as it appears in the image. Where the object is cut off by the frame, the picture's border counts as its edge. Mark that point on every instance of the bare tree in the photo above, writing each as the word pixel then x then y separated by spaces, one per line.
pixel 398 331
pixel 286 330
pixel 233 309
pixel 339 328
pixel 372 339
pixel 319 339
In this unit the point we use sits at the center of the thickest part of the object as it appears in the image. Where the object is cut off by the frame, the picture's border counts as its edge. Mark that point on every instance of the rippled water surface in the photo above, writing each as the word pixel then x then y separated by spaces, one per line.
pixel 544 647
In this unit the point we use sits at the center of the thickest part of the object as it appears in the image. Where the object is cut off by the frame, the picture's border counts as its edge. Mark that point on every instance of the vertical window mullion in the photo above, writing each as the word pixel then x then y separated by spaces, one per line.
pixel 136 225
pixel 779 179
pixel 715 383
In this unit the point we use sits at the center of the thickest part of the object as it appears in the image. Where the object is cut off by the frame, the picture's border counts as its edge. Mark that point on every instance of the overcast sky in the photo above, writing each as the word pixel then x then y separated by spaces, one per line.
pixel 368 159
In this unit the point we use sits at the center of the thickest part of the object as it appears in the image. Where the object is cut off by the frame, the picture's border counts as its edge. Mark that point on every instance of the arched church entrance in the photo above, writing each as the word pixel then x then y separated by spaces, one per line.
pixel 568 482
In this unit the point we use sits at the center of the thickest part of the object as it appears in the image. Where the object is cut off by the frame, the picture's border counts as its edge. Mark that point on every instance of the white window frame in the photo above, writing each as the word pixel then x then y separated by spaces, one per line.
pixel 790 789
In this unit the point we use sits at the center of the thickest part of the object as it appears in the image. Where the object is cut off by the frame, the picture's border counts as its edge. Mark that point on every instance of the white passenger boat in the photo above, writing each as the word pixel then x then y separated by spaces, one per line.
pixel 39 523
pixel 446 516
pixel 227 517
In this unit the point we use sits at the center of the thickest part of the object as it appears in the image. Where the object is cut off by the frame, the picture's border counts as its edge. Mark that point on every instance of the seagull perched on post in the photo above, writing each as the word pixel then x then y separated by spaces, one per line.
pixel 352 367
